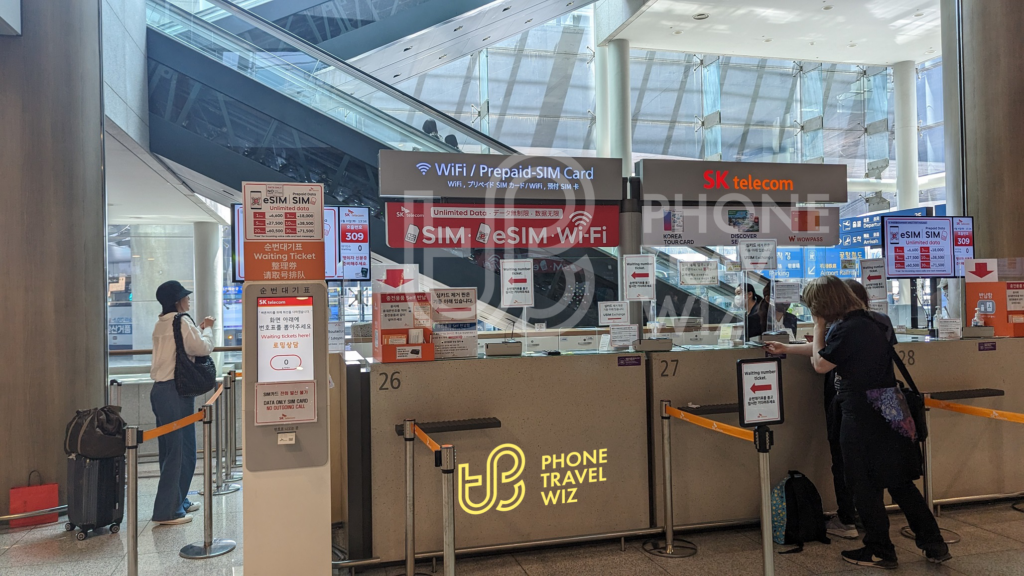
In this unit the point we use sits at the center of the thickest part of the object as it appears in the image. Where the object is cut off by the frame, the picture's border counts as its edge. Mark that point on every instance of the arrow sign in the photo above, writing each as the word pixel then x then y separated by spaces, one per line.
pixel 981 270
pixel 872 278
pixel 640 275
pixel 395 277
pixel 765 388
pixel 517 280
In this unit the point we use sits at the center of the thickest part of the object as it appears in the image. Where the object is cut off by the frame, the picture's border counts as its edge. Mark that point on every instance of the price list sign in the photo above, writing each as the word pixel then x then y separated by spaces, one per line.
pixel 354 242
pixel 283 211
pixel 920 247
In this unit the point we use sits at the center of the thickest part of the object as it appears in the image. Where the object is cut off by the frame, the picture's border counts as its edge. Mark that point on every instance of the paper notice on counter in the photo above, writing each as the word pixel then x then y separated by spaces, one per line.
pixel 623 335
pixel 616 312
pixel 949 328
pixel 455 340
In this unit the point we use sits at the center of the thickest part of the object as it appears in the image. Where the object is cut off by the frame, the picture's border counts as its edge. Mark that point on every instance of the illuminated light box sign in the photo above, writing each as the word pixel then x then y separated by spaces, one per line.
pixel 689 181
pixel 426 225
pixel 920 247
pixel 346 243
pixel 720 225
pixel 283 211
pixel 489 176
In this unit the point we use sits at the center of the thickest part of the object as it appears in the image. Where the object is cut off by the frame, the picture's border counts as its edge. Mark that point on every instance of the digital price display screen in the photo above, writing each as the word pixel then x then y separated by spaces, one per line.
pixel 963 242
pixel 919 247
pixel 346 243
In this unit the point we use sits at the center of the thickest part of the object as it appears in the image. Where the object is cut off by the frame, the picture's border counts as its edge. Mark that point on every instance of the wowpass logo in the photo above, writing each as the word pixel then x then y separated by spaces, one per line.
pixel 562 478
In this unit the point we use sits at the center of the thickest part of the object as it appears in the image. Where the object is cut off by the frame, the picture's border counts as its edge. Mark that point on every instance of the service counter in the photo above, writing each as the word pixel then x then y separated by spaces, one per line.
pixel 600 411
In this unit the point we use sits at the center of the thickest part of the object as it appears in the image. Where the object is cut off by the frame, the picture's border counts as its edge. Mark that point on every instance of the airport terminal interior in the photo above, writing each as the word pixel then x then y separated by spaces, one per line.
pixel 511 287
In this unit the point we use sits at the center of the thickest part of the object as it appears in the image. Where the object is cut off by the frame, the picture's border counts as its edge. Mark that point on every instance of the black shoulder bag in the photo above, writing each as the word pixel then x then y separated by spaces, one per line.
pixel 915 400
pixel 191 378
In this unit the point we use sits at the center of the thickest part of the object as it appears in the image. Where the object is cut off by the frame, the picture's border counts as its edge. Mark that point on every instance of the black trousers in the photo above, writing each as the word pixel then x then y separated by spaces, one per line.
pixel 871 505
pixel 833 418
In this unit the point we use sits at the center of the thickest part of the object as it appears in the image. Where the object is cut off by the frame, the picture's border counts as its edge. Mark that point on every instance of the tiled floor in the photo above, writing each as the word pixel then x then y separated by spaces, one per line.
pixel 993 544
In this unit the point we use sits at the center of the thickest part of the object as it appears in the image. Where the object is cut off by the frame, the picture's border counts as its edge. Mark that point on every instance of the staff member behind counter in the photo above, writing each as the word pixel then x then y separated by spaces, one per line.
pixel 748 300
pixel 876 433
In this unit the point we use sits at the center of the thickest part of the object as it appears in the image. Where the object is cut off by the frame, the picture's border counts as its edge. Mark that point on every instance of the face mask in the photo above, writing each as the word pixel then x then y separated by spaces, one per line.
pixel 738 301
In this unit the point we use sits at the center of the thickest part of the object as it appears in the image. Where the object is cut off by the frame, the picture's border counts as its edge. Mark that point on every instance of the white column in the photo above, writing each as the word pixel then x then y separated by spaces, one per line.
pixel 904 76
pixel 601 101
pixel 620 125
pixel 208 300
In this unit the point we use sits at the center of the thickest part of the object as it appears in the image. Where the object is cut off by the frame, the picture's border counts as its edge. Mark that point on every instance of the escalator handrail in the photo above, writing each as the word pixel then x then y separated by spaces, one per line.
pixel 318 53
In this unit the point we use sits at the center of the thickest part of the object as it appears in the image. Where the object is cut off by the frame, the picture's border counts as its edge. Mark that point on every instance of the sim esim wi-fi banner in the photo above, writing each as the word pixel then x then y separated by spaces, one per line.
pixel 426 225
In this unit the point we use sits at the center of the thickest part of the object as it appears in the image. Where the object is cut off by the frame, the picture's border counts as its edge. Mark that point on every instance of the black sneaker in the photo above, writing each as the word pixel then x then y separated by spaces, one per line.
pixel 864 557
pixel 938 554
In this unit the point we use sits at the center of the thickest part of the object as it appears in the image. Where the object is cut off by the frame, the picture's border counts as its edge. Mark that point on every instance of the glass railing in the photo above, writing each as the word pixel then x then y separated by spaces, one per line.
pixel 331 19
pixel 299 72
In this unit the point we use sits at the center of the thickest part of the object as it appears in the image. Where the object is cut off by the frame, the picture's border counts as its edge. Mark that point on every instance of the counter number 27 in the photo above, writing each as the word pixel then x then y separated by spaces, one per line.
pixel 665 365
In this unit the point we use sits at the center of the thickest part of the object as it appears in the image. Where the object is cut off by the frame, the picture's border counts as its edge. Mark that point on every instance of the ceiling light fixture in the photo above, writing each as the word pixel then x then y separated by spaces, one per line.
pixel 441 56
pixel 506 8
pixel 486 39
pixel 932 51
pixel 678 32
pixel 530 20
pixel 919 14
pixel 407 49
pixel 459 28
pixel 827 8
pixel 701 16
pixel 851 45
pixel 767 40
pixel 396 75
pixel 570 3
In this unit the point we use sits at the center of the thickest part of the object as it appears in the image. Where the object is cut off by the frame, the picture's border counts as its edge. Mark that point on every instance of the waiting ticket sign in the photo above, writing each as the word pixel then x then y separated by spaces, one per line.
pixel 285 332
pixel 760 391
pixel 516 283
pixel 638 276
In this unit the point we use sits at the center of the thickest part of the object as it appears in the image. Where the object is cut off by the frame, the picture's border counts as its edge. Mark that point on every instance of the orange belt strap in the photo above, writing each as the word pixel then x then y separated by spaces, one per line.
pixel 434 447
pixel 733 431
pixel 215 396
pixel 168 428
pixel 975 411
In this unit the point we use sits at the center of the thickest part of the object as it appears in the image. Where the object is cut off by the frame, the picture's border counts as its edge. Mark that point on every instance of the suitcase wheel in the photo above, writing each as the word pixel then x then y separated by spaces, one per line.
pixel 69 526
pixel 115 528
pixel 81 536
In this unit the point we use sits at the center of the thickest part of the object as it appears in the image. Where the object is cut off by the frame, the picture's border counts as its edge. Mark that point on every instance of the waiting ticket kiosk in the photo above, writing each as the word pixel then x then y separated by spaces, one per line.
pixel 285 435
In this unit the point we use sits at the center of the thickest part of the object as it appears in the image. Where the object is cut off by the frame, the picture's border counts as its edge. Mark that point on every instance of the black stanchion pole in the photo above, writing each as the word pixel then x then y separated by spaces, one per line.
pixel 763 441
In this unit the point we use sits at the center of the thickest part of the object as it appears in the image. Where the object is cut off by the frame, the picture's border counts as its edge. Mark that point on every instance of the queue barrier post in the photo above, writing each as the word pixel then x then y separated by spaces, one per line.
pixel 231 421
pixel 764 438
pixel 210 546
pixel 409 435
pixel 948 536
pixel 131 444
pixel 220 438
pixel 448 505
pixel 672 547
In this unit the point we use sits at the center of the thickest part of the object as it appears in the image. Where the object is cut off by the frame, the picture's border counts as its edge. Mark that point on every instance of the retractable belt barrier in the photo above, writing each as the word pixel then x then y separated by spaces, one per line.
pixel 941 401
pixel 761 437
pixel 444 458
pixel 210 546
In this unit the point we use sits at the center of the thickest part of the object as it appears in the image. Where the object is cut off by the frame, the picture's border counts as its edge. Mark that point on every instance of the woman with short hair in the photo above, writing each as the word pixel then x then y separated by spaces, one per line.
pixel 877 433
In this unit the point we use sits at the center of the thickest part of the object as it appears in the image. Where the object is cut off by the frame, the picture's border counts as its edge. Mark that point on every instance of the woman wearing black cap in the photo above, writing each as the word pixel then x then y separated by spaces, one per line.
pixel 178 448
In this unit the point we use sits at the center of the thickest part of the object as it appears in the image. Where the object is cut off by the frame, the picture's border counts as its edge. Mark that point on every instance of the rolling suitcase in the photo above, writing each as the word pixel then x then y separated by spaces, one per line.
pixel 95 494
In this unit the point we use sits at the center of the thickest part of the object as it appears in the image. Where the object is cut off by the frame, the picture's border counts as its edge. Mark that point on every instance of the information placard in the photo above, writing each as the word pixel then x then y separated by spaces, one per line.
pixel 918 247
pixel 516 283
pixel 726 225
pixel 610 313
pixel 757 254
pixel 285 403
pixel 1015 296
pixel 700 273
pixel 453 305
pixel 872 276
pixel 949 328
pixel 760 391
pixel 787 292
pixel 638 276
pixel 285 334
pixel 963 242
pixel 283 211
pixel 623 335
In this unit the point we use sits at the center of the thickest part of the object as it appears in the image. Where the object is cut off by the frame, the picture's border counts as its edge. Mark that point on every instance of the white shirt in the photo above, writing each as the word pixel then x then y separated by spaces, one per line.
pixel 197 343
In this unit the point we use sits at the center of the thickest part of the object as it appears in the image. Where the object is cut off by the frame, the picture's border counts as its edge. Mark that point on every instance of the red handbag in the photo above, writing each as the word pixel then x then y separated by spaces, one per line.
pixel 31 498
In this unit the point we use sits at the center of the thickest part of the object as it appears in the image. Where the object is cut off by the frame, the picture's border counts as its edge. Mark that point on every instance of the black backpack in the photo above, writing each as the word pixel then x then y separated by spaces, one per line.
pixel 797 514
pixel 191 378
pixel 96 433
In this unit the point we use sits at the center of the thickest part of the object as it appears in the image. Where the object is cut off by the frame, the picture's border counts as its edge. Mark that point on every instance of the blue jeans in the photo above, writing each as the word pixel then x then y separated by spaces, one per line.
pixel 177 451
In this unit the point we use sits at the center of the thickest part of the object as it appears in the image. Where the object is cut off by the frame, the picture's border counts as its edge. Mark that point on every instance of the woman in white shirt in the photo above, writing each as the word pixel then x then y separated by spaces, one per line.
pixel 178 448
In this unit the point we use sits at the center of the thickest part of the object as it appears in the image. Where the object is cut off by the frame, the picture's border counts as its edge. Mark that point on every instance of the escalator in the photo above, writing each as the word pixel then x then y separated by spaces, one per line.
pixel 227 111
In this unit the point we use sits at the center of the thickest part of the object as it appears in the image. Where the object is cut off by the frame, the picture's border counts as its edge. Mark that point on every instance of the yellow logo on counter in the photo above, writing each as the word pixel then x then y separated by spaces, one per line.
pixel 468 481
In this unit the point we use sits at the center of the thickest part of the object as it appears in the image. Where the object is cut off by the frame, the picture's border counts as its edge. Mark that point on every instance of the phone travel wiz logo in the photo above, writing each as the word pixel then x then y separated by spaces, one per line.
pixel 509 453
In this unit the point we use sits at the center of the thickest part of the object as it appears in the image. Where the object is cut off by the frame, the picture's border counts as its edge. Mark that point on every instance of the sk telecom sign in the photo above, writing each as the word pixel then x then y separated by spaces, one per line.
pixel 488 176
pixel 758 182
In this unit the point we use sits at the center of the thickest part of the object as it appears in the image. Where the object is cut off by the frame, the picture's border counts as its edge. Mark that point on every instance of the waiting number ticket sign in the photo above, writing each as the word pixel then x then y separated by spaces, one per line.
pixel 285 347
pixel 760 391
